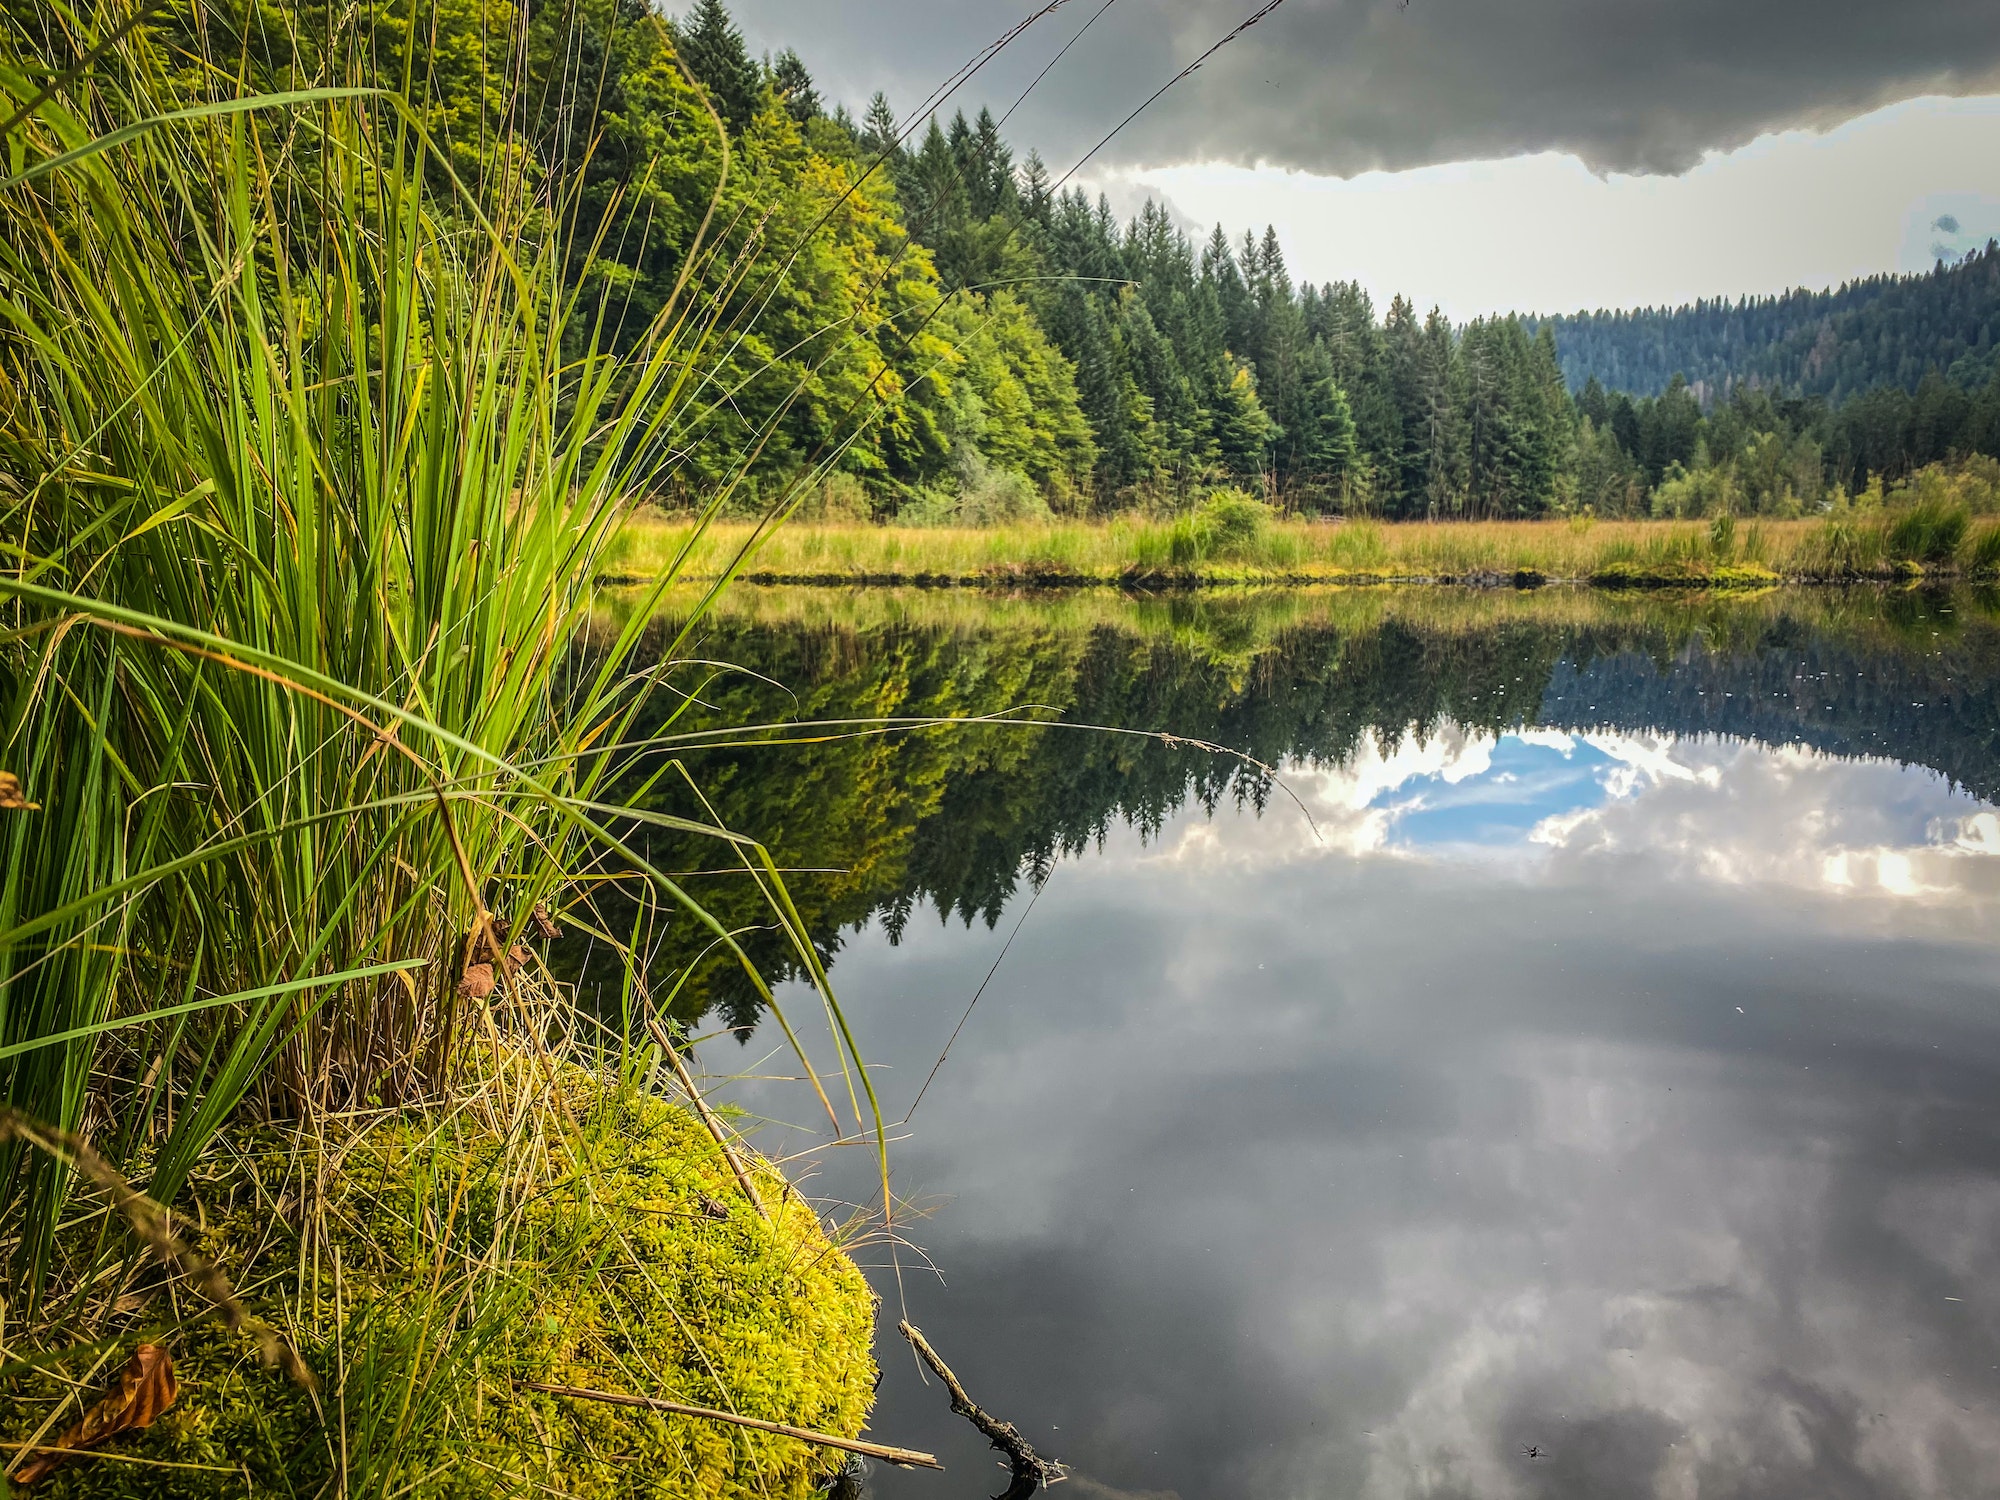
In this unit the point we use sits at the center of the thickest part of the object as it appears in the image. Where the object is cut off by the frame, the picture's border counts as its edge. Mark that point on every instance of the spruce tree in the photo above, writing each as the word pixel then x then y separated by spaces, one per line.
pixel 878 128
pixel 794 85
pixel 713 50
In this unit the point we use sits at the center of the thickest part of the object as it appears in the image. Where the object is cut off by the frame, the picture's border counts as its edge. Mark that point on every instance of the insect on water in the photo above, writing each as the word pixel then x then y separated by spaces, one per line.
pixel 1533 1450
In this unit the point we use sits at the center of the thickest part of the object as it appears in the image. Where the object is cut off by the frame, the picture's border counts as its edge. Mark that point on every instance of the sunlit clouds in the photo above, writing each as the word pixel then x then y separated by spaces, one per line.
pixel 1543 801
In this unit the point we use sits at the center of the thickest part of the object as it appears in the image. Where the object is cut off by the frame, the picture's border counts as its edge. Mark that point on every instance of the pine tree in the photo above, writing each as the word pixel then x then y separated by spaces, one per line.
pixel 1034 189
pixel 713 50
pixel 878 128
pixel 793 84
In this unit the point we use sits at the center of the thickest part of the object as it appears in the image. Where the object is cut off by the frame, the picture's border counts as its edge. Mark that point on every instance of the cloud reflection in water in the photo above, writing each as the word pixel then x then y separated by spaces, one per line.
pixel 1605 1093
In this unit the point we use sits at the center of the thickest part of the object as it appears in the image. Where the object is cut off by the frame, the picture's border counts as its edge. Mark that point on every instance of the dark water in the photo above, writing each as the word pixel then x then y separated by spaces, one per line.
pixel 1592 1044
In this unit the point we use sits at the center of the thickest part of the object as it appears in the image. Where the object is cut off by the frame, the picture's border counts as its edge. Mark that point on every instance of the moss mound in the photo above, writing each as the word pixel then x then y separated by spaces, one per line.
pixel 593 1238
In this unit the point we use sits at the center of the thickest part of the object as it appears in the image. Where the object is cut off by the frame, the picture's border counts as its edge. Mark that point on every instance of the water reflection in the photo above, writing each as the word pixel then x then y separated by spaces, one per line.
pixel 1606 1064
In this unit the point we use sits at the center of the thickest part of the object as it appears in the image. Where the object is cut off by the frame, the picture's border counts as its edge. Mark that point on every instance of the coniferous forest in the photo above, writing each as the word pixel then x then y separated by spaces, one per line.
pixel 932 328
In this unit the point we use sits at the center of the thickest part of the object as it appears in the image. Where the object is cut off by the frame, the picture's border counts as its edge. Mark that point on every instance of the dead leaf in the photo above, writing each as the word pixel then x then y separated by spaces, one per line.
pixel 477 983
pixel 11 795
pixel 544 923
pixel 145 1388
pixel 519 957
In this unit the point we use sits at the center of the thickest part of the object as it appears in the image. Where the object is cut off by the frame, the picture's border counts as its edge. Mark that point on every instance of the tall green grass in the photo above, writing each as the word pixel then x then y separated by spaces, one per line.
pixel 1194 548
pixel 306 470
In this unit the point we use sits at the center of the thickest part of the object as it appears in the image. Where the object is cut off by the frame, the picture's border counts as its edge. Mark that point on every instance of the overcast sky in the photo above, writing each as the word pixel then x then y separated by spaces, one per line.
pixel 1491 154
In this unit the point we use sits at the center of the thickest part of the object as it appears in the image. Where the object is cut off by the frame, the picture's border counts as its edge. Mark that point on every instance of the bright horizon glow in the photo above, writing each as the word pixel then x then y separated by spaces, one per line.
pixel 1541 233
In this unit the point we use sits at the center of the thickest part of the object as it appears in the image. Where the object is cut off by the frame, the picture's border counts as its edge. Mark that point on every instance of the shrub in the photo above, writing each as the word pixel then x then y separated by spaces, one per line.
pixel 1928 532
pixel 1001 497
pixel 1232 521
pixel 1983 556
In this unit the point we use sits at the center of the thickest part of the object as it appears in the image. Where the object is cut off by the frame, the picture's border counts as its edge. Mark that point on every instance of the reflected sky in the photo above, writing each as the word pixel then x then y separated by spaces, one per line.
pixel 1626 1096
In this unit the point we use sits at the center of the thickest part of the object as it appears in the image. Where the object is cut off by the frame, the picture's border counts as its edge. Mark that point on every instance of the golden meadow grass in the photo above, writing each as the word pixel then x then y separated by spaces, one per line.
pixel 1143 550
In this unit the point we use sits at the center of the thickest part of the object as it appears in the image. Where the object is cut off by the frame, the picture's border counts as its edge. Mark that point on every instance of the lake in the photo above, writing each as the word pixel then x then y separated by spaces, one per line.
pixel 1579 1035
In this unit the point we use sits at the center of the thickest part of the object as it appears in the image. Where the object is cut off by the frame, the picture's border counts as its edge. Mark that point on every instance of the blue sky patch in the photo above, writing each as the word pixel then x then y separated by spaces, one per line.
pixel 1500 806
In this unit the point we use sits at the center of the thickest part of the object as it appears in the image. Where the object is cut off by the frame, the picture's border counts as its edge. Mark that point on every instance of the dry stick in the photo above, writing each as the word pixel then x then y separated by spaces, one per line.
pixel 907 1458
pixel 1031 1470
pixel 707 1115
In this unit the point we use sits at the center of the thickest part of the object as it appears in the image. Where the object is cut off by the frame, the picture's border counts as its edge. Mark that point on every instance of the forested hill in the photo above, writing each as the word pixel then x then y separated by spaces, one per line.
pixel 1886 330
pixel 915 321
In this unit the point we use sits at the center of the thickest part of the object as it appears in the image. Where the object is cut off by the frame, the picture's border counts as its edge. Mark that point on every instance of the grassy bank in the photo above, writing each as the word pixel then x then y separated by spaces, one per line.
pixel 1172 553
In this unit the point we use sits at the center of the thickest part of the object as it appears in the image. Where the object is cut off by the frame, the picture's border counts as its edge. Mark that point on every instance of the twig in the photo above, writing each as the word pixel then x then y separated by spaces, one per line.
pixel 706 1114
pixel 907 1458
pixel 1031 1470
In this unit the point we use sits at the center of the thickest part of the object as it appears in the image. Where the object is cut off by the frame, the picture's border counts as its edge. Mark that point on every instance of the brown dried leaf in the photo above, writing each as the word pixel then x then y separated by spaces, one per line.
pixel 11 795
pixel 519 957
pixel 145 1388
pixel 477 983
pixel 544 923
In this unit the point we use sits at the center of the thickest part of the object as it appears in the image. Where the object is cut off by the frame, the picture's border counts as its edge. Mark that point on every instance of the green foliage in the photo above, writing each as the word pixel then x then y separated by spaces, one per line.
pixel 1983 555
pixel 1226 526
pixel 862 283
pixel 306 479
pixel 1722 534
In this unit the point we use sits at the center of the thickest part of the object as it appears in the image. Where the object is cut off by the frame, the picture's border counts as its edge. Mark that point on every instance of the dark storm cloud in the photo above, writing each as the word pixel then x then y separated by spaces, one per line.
pixel 1342 86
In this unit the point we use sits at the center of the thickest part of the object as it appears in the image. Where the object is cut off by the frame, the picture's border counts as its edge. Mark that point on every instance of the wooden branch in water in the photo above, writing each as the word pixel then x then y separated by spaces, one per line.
pixel 907 1458
pixel 1031 1470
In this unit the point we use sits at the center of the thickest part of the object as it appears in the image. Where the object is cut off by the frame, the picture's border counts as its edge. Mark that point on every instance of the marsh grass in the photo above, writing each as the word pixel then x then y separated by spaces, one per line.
pixel 1171 551
pixel 307 466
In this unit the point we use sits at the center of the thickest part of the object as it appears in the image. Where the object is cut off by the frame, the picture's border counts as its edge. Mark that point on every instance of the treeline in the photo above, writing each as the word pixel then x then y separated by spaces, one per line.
pixel 1762 452
pixel 919 325
pixel 1201 364
pixel 1881 331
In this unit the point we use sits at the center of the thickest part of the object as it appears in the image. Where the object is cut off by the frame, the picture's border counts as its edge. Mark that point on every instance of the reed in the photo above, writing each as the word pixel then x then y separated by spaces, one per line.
pixel 308 462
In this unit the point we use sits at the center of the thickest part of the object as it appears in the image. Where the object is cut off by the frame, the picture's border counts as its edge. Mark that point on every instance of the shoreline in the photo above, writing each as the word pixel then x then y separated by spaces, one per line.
pixel 1728 580
pixel 1141 556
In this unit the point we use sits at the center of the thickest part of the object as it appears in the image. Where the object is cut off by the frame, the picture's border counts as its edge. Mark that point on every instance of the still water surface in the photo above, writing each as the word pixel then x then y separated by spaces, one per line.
pixel 1592 1044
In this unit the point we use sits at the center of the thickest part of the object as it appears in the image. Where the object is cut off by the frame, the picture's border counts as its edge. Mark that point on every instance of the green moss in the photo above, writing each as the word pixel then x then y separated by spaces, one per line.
pixel 1744 575
pixel 454 1259
pixel 1682 573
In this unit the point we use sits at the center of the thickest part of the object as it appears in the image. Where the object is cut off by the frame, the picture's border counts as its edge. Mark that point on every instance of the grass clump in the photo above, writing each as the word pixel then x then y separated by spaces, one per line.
pixel 310 456
pixel 1930 532
pixel 547 1225
pixel 1982 554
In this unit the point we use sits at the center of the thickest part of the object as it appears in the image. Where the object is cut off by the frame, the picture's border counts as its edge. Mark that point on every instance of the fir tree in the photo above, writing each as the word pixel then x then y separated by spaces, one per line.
pixel 793 84
pixel 713 50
